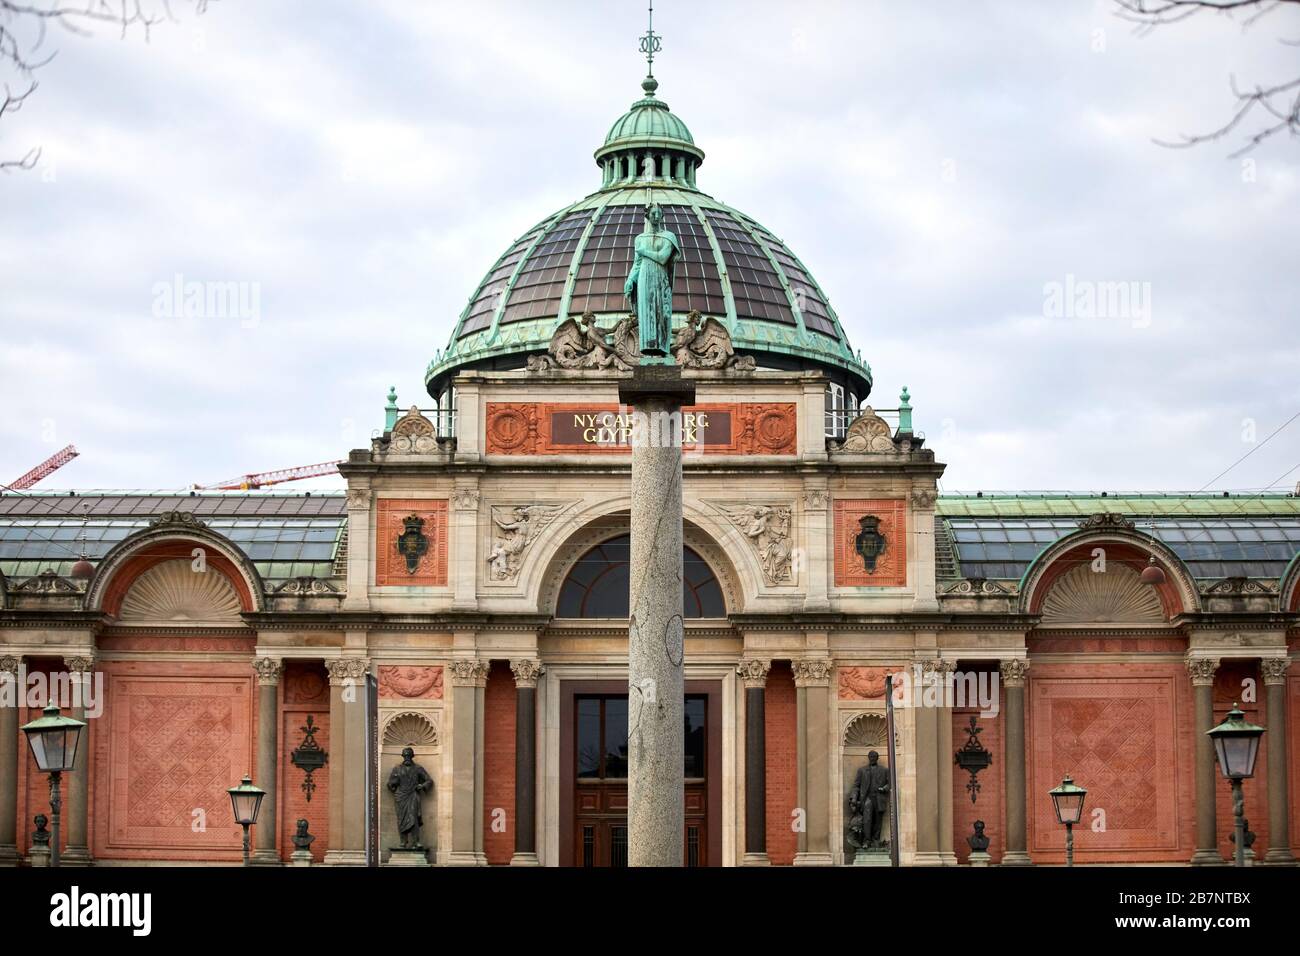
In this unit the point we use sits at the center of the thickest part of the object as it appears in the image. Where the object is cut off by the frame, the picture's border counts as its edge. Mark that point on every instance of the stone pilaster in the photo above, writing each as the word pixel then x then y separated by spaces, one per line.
pixel 527 671
pixel 812 692
pixel 347 763
pixel 268 670
pixel 464 552
pixel 1014 673
pixel 942 671
pixel 1273 670
pixel 817 548
pixel 1200 670
pixel 10 693
pixel 922 578
pixel 753 675
pixel 468 683
pixel 76 810
pixel 360 568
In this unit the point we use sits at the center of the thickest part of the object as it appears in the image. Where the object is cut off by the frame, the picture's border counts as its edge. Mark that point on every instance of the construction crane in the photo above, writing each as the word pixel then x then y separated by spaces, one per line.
pixel 263 478
pixel 45 468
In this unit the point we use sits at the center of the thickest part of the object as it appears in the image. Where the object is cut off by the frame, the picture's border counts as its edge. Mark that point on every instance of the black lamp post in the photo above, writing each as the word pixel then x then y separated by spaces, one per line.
pixel 246 800
pixel 1236 743
pixel 53 739
pixel 1067 801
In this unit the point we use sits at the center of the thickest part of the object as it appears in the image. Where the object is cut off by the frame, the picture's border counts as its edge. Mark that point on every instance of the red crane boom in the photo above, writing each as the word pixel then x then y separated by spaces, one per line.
pixel 263 478
pixel 45 468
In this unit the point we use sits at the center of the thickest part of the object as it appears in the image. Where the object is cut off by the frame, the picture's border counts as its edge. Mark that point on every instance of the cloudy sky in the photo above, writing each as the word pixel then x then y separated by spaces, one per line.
pixel 942 168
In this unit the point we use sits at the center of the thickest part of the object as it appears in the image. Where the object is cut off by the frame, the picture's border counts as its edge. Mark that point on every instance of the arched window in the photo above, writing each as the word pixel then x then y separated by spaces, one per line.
pixel 597 585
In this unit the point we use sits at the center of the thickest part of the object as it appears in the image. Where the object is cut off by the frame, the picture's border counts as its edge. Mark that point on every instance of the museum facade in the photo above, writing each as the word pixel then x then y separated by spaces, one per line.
pixel 467 597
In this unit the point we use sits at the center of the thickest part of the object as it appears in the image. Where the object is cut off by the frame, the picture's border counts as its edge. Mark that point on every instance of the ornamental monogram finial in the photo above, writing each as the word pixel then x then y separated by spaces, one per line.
pixel 650 43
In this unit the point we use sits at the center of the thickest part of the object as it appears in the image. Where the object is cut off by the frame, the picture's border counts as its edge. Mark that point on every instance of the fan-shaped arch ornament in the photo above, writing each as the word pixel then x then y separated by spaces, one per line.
pixel 173 592
pixel 1116 596
pixel 410 729
pixel 866 731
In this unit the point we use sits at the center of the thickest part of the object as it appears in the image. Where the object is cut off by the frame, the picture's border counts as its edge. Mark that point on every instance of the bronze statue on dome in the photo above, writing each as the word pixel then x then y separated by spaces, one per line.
pixel 649 287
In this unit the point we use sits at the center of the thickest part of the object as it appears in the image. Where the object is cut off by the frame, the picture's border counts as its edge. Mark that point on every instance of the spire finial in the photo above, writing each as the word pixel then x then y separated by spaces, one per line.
pixel 650 43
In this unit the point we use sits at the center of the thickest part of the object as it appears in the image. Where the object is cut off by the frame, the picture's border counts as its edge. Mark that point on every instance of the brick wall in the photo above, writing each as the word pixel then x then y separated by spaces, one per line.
pixel 780 740
pixel 499 764
pixel 304 690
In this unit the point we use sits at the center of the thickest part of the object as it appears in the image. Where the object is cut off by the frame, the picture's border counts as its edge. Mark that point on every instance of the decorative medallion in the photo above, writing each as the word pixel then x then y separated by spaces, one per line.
pixel 973 757
pixel 869 543
pixel 863 683
pixel 870 546
pixel 411 543
pixel 309 756
pixel 406 559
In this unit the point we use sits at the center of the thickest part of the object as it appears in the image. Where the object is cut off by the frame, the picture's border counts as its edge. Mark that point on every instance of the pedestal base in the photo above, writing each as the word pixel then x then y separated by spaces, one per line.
pixel 466 858
pixel 1207 858
pixel 345 858
pixel 1016 858
pixel 874 857
pixel 525 859
pixel 300 858
pixel 9 855
pixel 1279 856
pixel 813 859
pixel 408 856
pixel 755 859
pixel 264 858
pixel 38 856
pixel 979 858
pixel 75 856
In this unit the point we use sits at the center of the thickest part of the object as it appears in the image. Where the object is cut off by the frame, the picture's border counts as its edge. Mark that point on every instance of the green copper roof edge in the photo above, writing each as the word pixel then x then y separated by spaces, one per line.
pixel 841 335
pixel 547 226
pixel 724 278
pixel 493 268
pixel 571 279
pixel 471 352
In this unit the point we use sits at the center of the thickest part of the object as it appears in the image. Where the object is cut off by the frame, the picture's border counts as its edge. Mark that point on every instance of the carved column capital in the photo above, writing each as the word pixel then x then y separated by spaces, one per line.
pixel 9 664
pixel 816 499
pixel 468 673
pixel 345 671
pixel 465 499
pixel 938 667
pixel 268 670
pixel 79 664
pixel 1273 669
pixel 1014 671
pixel 813 672
pixel 358 499
pixel 1201 670
pixel 923 499
pixel 526 670
pixel 753 671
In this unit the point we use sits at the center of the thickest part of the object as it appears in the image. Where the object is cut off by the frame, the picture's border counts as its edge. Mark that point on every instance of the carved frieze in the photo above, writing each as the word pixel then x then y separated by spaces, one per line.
pixel 514 529
pixel 863 683
pixel 868 434
pixel 409 682
pixel 767 526
pixel 412 434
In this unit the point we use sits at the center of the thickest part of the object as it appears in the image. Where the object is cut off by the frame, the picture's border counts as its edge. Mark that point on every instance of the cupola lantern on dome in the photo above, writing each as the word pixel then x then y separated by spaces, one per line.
pixel 576 260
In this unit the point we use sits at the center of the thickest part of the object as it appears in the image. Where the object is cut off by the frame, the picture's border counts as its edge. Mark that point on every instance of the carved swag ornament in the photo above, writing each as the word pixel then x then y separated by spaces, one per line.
pixel 701 342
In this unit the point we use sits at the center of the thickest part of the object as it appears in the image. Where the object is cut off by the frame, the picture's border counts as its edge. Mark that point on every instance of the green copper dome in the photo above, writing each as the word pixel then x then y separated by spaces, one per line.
pixel 648 121
pixel 576 260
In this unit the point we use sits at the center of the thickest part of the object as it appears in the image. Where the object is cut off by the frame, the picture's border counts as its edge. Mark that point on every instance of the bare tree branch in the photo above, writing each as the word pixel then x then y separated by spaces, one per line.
pixel 1276 101
pixel 24 25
